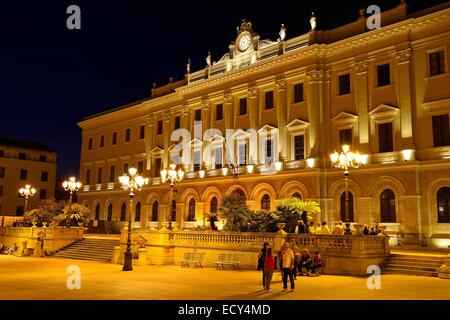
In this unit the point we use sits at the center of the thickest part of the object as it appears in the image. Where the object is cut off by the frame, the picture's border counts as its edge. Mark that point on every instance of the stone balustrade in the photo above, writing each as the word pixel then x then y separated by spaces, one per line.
pixel 343 254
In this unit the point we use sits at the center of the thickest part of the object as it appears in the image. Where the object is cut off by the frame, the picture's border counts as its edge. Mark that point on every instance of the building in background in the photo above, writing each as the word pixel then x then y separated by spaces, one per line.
pixel 22 163
pixel 385 92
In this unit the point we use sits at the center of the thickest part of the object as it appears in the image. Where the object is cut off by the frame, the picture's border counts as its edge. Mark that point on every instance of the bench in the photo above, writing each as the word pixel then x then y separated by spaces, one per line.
pixel 233 260
pixel 195 259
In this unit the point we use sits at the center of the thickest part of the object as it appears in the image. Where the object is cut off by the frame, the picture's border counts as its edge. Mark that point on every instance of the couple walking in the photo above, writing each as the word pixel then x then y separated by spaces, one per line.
pixel 266 263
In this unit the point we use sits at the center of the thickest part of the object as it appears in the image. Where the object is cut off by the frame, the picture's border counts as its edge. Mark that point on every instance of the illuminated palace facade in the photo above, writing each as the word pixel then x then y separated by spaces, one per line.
pixel 385 92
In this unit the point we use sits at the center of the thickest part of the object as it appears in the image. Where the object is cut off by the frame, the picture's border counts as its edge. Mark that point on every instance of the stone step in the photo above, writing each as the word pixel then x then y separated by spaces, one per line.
pixel 409 272
pixel 415 258
pixel 84 258
pixel 414 263
pixel 410 267
pixel 89 249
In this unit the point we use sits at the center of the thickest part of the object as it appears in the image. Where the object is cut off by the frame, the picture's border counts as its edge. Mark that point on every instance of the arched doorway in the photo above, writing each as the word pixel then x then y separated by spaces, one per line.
pixel 239 193
pixel 191 211
pixel 137 216
pixel 110 211
pixel 443 205
pixel 123 212
pixel 213 205
pixel 297 195
pixel 265 202
pixel 155 211
pixel 97 212
pixel 387 206
pixel 350 207
pixel 173 214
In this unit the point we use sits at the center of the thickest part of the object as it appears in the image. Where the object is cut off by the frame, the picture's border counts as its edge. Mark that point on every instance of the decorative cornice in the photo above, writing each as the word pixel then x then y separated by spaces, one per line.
pixel 281 84
pixel 362 64
pixel 228 98
pixel 317 75
pixel 184 110
pixel 166 116
pixel 252 92
pixel 205 104
pixel 402 56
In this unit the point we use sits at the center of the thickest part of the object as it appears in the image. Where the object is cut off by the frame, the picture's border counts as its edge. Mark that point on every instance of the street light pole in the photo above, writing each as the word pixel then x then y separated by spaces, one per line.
pixel 345 160
pixel 72 186
pixel 27 192
pixel 172 175
pixel 133 182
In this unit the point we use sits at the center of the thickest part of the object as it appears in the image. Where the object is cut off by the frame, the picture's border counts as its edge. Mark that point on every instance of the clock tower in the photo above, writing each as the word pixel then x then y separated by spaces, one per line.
pixel 246 41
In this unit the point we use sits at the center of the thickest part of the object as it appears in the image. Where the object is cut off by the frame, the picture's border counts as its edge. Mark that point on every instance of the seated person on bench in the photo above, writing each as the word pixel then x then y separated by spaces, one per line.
pixel 13 249
pixel 306 262
pixel 2 247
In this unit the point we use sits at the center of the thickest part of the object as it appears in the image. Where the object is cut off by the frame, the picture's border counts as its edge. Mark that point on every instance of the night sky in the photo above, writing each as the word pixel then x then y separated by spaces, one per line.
pixel 52 77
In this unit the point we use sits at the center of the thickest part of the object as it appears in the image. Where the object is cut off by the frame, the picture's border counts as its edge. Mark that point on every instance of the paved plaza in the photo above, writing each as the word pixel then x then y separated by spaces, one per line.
pixel 45 278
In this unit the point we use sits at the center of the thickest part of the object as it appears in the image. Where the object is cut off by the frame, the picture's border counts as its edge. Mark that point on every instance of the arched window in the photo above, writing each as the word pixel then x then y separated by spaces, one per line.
pixel 173 216
pixel 350 207
pixel 265 202
pixel 297 195
pixel 97 212
pixel 443 205
pixel 213 207
pixel 110 208
pixel 123 212
pixel 155 211
pixel 137 216
pixel 239 193
pixel 387 206
pixel 191 215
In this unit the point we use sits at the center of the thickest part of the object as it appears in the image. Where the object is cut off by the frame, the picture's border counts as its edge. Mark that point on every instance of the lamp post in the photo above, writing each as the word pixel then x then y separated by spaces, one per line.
pixel 132 182
pixel 172 175
pixel 346 160
pixel 72 186
pixel 27 192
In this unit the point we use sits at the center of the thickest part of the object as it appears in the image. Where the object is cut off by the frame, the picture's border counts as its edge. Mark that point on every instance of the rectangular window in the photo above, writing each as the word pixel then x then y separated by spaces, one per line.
pixel 114 138
pixel 298 92
pixel 20 210
pixel 437 62
pixel 219 112
pixel 344 84
pixel 345 137
pixel 42 194
pixel 177 122
pixel 22 155
pixel 140 167
pixel 268 100
pixel 142 132
pixel 1 191
pixel 198 115
pixel 157 167
pixel 88 177
pixel 441 134
pixel 385 137
pixel 197 159
pixel 218 158
pixel 100 175
pixel 299 147
pixel 2 153
pixel 43 158
pixel 242 154
pixel 112 174
pixel 23 174
pixel 125 168
pixel 383 75
pixel 160 127
pixel 269 151
pixel 242 106
pixel 127 135
pixel 90 144
pixel 2 172
pixel 44 176
pixel 102 141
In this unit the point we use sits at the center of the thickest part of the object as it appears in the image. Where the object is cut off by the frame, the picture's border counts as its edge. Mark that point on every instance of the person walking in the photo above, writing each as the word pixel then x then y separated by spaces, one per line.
pixel 288 265
pixel 261 261
pixel 269 266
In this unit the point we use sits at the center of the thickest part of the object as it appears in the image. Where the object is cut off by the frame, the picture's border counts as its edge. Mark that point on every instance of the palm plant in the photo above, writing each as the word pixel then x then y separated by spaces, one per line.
pixel 74 213
pixel 236 213
pixel 292 209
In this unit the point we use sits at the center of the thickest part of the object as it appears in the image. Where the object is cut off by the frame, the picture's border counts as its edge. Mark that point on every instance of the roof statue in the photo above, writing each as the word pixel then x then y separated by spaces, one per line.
pixel 313 22
pixel 282 32
pixel 208 59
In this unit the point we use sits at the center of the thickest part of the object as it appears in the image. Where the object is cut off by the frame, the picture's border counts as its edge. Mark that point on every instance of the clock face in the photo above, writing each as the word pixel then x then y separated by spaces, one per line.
pixel 244 42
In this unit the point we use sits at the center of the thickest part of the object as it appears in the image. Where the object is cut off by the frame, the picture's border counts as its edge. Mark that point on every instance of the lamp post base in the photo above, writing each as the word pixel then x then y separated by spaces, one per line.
pixel 348 231
pixel 127 266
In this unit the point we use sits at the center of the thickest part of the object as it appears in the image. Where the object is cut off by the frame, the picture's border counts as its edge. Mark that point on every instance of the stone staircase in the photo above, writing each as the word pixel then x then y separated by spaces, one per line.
pixel 89 249
pixel 407 264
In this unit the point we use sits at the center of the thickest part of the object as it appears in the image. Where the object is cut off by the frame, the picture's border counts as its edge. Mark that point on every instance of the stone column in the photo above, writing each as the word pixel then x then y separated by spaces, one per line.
pixel 229 125
pixel 167 133
pixel 149 141
pixel 362 103
pixel 253 114
pixel 281 108
pixel 185 124
pixel 404 97
pixel 313 97
pixel 206 124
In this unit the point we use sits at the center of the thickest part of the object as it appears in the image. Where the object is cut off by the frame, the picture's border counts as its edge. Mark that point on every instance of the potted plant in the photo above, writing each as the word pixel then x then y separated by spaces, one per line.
pixel 73 214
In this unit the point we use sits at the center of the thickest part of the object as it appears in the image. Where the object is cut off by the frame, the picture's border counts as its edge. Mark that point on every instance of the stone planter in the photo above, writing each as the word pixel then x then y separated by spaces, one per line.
pixel 281 227
pixel 357 229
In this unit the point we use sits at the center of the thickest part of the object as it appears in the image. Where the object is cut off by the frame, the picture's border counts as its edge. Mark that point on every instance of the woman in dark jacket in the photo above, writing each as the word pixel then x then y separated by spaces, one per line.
pixel 261 261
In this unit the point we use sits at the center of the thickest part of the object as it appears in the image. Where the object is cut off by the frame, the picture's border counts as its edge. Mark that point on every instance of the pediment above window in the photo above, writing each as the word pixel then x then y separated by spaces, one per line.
pixel 156 150
pixel 216 139
pixel 344 119
pixel 267 129
pixel 241 134
pixel 383 112
pixel 298 125
pixel 196 142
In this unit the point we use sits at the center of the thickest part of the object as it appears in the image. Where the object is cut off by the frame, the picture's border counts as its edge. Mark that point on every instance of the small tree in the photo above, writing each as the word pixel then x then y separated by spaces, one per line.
pixel 291 209
pixel 236 213
pixel 74 213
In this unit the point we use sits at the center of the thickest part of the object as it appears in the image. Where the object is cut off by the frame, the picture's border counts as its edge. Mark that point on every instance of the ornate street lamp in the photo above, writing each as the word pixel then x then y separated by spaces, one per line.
pixel 346 160
pixel 27 192
pixel 72 186
pixel 172 175
pixel 132 182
